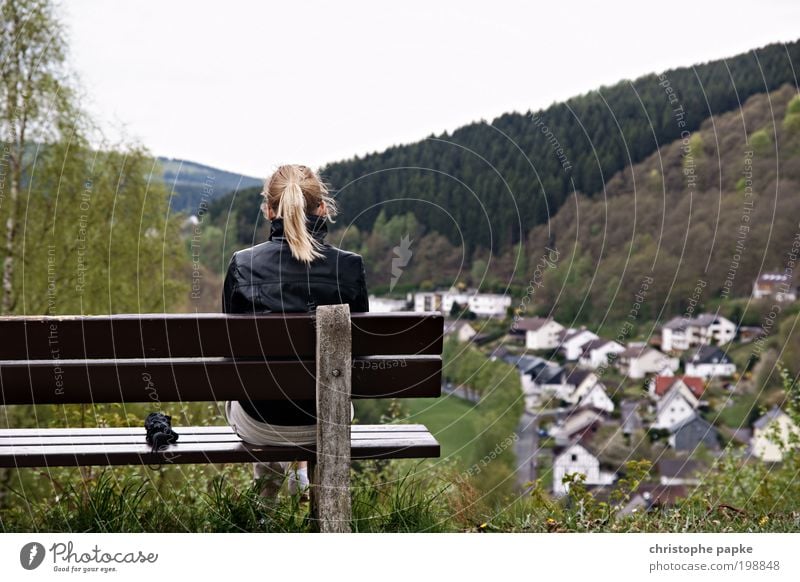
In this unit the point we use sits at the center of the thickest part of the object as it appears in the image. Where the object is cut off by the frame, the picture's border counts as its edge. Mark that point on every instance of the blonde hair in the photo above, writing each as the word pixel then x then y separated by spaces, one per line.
pixel 294 192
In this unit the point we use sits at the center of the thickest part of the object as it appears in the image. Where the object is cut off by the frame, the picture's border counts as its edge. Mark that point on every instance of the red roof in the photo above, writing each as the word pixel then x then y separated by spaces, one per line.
pixel 695 384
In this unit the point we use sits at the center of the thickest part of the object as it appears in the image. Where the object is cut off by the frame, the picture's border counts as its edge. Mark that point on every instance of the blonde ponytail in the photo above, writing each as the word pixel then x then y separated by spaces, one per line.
pixel 294 192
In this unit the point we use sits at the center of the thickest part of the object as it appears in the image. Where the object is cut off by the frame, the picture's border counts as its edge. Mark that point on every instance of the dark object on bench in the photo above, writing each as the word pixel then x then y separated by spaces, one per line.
pixel 216 357
pixel 158 431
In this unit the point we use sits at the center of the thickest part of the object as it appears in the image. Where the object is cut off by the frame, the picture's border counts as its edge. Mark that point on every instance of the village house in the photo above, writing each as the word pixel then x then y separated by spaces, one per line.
pixel 763 444
pixel 653 496
pixel 489 304
pixel 710 362
pixel 775 286
pixel 597 353
pixel 481 304
pixel 660 385
pixel 541 333
pixel 638 361
pixel 675 407
pixel 576 458
pixel 581 424
pixel 386 304
pixel 529 368
pixel 571 342
pixel 679 472
pixel 692 433
pixel 462 330
pixel 576 384
pixel 597 397
pixel 682 333
pixel 750 333
pixel 630 417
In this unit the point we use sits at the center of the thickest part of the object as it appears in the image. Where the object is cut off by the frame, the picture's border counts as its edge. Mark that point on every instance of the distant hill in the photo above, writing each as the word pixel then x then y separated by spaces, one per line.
pixel 689 227
pixel 471 201
pixel 486 185
pixel 190 182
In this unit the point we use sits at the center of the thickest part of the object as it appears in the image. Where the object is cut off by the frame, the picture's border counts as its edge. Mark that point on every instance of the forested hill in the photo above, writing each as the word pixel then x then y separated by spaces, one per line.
pixel 189 183
pixel 487 185
pixel 699 220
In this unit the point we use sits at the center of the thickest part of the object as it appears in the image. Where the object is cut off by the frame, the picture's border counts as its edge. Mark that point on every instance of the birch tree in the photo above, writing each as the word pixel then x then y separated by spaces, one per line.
pixel 35 109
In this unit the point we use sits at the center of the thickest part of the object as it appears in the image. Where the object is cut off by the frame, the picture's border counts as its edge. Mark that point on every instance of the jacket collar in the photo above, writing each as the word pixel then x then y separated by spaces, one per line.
pixel 317 226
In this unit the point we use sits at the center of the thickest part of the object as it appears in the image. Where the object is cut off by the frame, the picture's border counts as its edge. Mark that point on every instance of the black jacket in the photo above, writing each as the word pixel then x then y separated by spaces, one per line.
pixel 267 279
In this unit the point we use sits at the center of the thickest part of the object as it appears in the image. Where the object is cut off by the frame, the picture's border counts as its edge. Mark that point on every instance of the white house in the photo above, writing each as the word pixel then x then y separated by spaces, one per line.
pixel 773 426
pixel 481 304
pixel 577 459
pixel 639 361
pixel 540 333
pixel 427 301
pixel 596 353
pixel 598 398
pixel 386 305
pixel 777 286
pixel 710 362
pixel 675 407
pixel 572 342
pixel 682 333
pixel 463 330
pixel 577 384
pixel 660 385
pixel 489 304
pixel 531 370
pixel 679 472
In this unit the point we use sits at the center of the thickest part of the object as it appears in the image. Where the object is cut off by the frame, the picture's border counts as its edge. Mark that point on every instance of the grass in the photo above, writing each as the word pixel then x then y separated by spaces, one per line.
pixel 398 497
pixel 456 424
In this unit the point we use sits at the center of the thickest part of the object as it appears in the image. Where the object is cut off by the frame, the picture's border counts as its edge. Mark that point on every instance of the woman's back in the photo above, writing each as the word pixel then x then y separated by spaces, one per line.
pixel 267 278
pixel 294 271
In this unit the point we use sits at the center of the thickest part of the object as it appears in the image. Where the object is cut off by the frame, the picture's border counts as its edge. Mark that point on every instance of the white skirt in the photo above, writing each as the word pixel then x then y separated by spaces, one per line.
pixel 255 432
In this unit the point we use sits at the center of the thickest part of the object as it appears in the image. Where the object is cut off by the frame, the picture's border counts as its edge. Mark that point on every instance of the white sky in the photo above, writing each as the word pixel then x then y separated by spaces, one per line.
pixel 245 86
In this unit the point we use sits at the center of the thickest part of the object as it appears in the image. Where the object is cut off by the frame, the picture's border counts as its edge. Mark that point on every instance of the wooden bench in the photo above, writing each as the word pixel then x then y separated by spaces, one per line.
pixel 332 356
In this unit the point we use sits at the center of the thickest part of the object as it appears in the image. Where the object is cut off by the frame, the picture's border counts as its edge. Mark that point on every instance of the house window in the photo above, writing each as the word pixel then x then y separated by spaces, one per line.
pixel 574 458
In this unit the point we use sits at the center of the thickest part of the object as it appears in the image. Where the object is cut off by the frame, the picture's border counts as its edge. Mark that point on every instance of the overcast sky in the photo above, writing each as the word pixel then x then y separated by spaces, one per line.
pixel 245 86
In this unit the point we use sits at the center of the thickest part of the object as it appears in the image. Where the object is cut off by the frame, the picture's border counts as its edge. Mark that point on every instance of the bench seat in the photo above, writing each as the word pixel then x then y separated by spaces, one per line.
pixel 70 447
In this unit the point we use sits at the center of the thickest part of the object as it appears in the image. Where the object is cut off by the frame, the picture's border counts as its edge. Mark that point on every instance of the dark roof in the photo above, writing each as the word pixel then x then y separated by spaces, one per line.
pixel 695 419
pixel 635 352
pixel 594 344
pixel 678 467
pixel 576 376
pixel 709 355
pixel 705 319
pixel 742 435
pixel 550 375
pixel 677 323
pixel 702 320
pixel 629 414
pixel 532 323
pixel 528 364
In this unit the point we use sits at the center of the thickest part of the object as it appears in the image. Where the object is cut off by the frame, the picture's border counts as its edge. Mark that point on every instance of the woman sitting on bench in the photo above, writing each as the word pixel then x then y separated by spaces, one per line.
pixel 294 271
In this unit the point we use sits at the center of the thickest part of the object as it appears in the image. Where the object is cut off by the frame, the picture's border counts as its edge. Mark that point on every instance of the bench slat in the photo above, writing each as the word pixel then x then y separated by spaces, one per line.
pixel 413 444
pixel 183 430
pixel 210 335
pixel 184 438
pixel 206 379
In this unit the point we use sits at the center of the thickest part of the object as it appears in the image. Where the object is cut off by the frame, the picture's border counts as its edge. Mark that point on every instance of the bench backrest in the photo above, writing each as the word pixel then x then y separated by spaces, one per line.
pixel 206 357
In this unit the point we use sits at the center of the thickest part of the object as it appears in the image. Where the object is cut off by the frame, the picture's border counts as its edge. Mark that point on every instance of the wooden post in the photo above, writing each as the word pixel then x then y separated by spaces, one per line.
pixel 330 477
